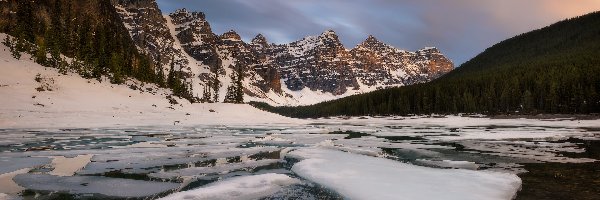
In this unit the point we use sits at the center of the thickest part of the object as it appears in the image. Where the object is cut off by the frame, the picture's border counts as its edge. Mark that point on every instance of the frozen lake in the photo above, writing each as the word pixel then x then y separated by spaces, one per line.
pixel 354 158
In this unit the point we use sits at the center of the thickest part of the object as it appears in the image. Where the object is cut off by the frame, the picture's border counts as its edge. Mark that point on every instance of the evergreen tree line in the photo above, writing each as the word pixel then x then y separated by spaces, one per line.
pixel 235 91
pixel 552 70
pixel 90 33
pixel 175 81
pixel 211 90
pixel 212 85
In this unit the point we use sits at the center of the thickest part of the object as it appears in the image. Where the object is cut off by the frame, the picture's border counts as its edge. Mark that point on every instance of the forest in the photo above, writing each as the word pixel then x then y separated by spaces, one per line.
pixel 85 37
pixel 555 69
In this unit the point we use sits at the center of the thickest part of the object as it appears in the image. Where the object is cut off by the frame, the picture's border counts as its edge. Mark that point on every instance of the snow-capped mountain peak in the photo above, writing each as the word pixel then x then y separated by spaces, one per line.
pixel 231 35
pixel 310 70
pixel 329 34
pixel 373 44
pixel 259 41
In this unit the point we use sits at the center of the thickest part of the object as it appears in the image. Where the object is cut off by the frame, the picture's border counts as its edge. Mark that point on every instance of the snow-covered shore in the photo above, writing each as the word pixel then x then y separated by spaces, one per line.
pixel 75 102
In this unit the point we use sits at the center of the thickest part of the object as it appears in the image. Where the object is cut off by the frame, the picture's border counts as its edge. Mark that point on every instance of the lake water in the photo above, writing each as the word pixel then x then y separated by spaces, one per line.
pixel 154 162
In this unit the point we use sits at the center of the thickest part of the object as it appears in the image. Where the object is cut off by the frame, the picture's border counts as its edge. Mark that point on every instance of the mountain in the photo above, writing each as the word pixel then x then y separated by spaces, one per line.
pixel 322 63
pixel 376 58
pixel 180 51
pixel 555 69
pixel 35 96
pixel 310 70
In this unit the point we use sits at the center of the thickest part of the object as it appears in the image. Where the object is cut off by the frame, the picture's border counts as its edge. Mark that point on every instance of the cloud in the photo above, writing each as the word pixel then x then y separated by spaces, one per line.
pixel 460 28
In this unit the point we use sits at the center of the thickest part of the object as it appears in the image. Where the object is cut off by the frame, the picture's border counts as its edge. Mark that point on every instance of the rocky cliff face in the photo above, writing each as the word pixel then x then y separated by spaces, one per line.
pixel 152 35
pixel 195 36
pixel 147 28
pixel 322 63
pixel 310 70
pixel 381 65
pixel 315 62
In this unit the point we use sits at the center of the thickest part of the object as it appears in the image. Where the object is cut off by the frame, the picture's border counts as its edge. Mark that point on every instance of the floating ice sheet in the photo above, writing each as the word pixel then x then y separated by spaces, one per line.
pixel 246 187
pixel 197 171
pixel 364 177
pixel 449 164
pixel 113 187
pixel 10 164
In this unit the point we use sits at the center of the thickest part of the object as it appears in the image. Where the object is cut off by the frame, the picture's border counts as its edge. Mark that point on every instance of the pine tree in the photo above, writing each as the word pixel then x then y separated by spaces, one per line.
pixel 230 95
pixel 171 80
pixel 216 85
pixel 40 54
pixel 206 96
pixel 24 29
pixel 12 47
pixel 160 74
pixel 235 91
pixel 7 42
pixel 239 87
pixel 527 102
pixel 115 63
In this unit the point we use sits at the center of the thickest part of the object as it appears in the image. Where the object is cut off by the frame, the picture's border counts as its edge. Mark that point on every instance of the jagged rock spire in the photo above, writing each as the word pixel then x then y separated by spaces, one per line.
pixel 328 32
pixel 371 38
pixel 184 13
pixel 259 41
pixel 374 44
pixel 231 35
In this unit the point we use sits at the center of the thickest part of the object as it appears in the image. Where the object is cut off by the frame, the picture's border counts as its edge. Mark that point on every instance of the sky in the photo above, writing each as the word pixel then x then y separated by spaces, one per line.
pixel 461 29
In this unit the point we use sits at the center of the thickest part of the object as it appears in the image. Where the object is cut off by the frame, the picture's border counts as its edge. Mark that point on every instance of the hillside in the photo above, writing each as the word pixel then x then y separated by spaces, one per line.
pixel 555 69
pixel 86 37
pixel 35 96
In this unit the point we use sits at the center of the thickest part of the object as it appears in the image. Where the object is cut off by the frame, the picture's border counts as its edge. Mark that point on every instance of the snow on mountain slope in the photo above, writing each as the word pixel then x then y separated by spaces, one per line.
pixel 155 35
pixel 194 66
pixel 71 101
pixel 307 71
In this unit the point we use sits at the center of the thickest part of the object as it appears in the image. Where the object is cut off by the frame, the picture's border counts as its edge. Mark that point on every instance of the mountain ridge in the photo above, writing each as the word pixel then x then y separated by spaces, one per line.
pixel 180 51
pixel 553 70
pixel 317 66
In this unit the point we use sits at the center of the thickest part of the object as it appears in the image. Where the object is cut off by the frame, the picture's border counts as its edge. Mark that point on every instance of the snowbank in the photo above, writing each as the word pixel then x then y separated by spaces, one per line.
pixel 246 187
pixel 364 177
pixel 75 102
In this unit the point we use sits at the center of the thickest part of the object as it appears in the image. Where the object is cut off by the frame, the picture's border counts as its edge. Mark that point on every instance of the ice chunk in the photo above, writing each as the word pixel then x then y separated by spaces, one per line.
pixel 196 171
pixel 113 187
pixel 11 164
pixel 7 185
pixel 450 164
pixel 364 177
pixel 68 166
pixel 137 160
pixel 246 187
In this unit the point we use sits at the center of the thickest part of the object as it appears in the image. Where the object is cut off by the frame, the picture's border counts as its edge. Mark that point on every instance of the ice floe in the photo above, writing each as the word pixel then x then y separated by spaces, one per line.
pixel 114 187
pixel 10 164
pixel 246 187
pixel 68 166
pixel 364 177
